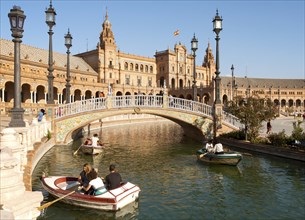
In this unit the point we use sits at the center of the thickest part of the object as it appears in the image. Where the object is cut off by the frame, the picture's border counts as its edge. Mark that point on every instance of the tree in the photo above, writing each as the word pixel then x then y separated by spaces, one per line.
pixel 252 112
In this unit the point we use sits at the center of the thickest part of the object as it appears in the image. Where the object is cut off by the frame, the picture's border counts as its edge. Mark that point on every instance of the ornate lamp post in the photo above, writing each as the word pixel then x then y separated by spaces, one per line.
pixel 17 18
pixel 50 20
pixel 68 44
pixel 217 27
pixel 194 43
pixel 232 82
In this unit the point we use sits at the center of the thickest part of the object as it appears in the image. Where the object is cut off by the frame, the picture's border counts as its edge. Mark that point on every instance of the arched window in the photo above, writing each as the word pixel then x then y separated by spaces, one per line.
pixel 146 68
pixel 131 66
pixel 137 67
pixel 151 69
pixel 126 66
pixel 180 83
pixel 173 83
pixel 141 68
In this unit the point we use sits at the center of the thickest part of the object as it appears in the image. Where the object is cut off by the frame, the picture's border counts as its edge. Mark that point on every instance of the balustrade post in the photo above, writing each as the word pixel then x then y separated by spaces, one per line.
pixel 109 102
pixel 165 100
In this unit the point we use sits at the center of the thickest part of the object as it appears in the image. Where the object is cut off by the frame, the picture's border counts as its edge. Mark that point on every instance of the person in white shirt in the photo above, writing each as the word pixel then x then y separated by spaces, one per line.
pixel 95 140
pixel 218 149
pixel 209 147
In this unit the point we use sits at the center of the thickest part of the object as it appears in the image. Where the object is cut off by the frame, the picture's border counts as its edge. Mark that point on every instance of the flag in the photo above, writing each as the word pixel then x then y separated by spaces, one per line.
pixel 176 33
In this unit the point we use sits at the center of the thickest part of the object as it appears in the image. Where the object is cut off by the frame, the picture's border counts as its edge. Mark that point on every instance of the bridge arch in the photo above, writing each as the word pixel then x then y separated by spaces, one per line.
pixel 194 126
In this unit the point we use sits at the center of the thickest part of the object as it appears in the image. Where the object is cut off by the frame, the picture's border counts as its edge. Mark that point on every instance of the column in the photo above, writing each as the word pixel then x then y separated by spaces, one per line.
pixel 31 96
pixel 45 98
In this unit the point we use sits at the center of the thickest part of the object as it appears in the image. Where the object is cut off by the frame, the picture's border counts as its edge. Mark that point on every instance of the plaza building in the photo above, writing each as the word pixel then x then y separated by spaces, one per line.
pixel 288 95
pixel 108 71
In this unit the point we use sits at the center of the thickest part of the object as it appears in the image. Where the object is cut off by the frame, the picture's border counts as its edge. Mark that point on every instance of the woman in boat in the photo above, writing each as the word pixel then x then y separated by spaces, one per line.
pixel 95 186
pixel 88 141
pixel 209 146
pixel 83 179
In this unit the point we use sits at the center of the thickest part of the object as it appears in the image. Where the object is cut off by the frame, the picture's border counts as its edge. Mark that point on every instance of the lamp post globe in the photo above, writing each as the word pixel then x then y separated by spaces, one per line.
pixel 17 18
pixel 68 44
pixel 194 44
pixel 50 20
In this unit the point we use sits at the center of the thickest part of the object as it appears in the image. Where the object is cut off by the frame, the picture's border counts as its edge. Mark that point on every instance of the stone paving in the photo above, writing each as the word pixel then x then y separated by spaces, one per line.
pixel 282 123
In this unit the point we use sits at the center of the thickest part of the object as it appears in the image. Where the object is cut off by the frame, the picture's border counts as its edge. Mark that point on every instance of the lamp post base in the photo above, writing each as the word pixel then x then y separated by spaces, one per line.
pixel 17 117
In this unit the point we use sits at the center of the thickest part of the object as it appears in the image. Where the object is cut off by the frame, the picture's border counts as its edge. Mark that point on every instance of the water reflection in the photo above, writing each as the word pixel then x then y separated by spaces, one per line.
pixel 78 213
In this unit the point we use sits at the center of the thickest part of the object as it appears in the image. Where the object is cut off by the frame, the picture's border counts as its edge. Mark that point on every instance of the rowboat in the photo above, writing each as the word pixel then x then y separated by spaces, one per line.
pixel 112 200
pixel 227 158
pixel 89 149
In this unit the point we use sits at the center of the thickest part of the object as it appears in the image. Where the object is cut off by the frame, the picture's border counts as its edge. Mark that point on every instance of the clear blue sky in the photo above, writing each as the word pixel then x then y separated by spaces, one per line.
pixel 263 39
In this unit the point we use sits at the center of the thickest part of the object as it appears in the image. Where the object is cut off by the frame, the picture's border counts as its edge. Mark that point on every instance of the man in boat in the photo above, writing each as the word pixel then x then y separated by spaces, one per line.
pixel 95 140
pixel 113 179
pixel 218 148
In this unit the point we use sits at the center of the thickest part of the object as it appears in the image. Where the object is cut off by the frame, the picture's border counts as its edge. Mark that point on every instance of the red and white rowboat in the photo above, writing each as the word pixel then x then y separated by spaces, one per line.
pixel 112 200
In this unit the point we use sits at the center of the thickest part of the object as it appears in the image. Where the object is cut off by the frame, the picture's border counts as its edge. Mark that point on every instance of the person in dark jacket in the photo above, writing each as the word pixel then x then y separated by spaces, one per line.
pixel 113 179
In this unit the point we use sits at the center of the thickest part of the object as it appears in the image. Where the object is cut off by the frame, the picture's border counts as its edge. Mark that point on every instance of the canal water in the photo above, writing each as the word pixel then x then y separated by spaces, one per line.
pixel 174 185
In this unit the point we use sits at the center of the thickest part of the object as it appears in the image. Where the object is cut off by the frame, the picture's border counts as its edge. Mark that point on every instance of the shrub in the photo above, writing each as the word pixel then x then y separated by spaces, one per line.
pixel 278 139
pixel 239 135
pixel 49 135
pixel 298 133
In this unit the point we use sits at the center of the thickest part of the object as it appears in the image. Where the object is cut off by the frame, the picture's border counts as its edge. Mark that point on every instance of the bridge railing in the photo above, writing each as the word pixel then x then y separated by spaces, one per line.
pixel 231 119
pixel 189 105
pixel 80 106
pixel 136 101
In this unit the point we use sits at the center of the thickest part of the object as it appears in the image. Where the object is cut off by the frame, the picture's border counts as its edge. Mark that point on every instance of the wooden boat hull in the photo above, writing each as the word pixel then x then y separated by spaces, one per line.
pixel 228 158
pixel 112 200
pixel 88 149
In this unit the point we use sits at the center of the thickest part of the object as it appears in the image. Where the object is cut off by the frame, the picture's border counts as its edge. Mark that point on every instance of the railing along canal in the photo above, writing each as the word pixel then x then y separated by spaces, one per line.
pixel 146 101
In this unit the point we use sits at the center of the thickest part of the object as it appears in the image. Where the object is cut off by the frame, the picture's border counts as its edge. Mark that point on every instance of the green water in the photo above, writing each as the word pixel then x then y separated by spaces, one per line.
pixel 174 185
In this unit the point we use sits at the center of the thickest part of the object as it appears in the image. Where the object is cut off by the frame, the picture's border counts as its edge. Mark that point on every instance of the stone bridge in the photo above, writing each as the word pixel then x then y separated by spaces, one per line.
pixel 194 117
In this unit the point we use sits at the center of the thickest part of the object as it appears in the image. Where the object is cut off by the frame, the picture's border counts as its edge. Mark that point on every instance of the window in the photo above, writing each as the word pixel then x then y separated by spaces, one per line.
pixel 137 67
pixel 141 68
pixel 127 80
pixel 151 69
pixel 139 79
pixel 149 81
pixel 131 66
pixel 126 66
pixel 146 68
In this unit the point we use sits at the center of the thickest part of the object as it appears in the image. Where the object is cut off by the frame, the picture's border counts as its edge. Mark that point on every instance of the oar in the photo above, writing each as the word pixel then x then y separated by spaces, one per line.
pixel 77 150
pixel 202 155
pixel 56 200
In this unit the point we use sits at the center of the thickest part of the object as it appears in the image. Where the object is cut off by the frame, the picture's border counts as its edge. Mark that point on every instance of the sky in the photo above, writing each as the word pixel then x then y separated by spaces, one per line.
pixel 262 39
